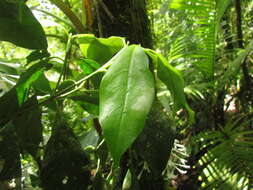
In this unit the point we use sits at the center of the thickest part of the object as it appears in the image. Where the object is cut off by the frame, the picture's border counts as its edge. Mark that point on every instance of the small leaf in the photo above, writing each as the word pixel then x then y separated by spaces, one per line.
pixel 126 96
pixel 20 27
pixel 99 49
pixel 89 139
pixel 88 65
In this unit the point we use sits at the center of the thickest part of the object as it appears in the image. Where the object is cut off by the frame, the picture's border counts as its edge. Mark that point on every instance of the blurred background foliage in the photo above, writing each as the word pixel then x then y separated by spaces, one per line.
pixel 209 42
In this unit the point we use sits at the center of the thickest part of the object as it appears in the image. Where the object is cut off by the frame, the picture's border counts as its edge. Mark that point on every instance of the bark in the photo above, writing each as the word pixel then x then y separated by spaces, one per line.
pixel 127 18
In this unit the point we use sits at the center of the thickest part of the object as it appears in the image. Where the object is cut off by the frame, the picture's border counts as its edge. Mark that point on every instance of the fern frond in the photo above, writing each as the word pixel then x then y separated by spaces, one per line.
pixel 205 18
pixel 231 159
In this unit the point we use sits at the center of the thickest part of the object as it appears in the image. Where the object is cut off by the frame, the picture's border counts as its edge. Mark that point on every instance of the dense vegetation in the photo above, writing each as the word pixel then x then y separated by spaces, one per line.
pixel 126 94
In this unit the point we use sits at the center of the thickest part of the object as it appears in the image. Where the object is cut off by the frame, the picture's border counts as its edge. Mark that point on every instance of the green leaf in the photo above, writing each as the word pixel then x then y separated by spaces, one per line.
pixel 89 139
pixel 13 100
pixel 87 102
pixel 126 96
pixel 88 65
pixel 99 49
pixel 20 27
pixel 173 80
pixel 42 85
pixel 28 126
pixel 28 77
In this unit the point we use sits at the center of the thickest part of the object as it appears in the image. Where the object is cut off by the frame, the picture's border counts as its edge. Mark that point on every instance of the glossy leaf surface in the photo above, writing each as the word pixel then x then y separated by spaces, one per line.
pixel 126 96
pixel 19 26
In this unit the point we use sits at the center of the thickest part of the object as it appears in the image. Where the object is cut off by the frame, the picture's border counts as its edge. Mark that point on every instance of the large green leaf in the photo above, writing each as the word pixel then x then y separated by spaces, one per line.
pixel 126 96
pixel 174 81
pixel 99 49
pixel 19 26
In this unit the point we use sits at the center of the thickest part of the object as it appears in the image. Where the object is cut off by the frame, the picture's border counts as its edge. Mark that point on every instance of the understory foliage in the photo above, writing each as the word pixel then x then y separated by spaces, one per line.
pixel 83 110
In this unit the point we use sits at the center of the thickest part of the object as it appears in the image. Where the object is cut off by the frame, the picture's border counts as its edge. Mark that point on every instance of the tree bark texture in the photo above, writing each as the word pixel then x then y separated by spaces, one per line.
pixel 126 18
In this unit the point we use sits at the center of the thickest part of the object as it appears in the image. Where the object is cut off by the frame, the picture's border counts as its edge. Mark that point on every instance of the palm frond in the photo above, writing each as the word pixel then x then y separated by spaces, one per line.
pixel 231 159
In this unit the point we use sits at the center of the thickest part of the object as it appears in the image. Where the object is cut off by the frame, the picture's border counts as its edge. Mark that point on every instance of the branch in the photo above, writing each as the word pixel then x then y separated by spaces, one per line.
pixel 70 14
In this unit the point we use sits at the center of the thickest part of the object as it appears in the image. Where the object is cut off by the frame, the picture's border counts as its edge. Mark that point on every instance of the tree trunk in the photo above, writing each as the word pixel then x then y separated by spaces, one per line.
pixel 126 18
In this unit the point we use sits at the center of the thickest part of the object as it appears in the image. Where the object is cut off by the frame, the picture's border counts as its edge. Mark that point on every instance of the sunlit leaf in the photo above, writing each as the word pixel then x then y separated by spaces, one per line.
pixel 126 96
pixel 99 49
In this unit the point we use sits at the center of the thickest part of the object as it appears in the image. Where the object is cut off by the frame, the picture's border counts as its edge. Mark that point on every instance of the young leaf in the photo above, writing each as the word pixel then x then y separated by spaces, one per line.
pixel 99 49
pixel 173 80
pixel 20 27
pixel 126 96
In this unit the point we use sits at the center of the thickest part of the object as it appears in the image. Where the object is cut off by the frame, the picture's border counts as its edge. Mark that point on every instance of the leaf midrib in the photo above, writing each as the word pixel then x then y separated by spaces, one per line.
pixel 126 97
